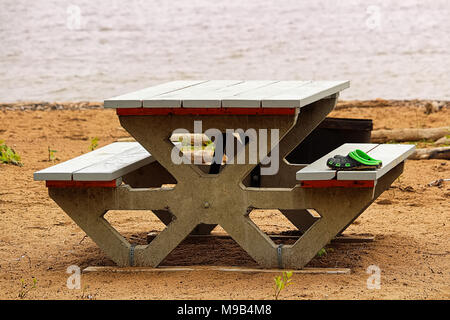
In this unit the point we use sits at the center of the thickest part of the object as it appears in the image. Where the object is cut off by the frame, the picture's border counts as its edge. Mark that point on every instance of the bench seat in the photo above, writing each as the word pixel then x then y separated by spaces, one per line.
pixel 105 164
pixel 390 154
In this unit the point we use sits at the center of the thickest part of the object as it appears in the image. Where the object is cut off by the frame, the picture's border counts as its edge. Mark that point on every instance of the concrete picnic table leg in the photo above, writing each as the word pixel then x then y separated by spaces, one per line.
pixel 302 219
pixel 155 175
pixel 87 207
pixel 337 207
pixel 310 117
pixel 201 198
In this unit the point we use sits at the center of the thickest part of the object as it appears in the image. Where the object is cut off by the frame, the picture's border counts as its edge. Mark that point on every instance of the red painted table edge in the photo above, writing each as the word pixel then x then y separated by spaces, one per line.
pixel 203 111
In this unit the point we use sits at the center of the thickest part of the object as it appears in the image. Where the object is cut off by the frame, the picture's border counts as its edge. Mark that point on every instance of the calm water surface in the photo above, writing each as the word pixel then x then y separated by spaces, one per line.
pixel 91 50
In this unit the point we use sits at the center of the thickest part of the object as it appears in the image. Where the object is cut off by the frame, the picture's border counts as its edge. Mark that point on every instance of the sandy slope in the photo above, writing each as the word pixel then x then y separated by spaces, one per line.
pixel 410 222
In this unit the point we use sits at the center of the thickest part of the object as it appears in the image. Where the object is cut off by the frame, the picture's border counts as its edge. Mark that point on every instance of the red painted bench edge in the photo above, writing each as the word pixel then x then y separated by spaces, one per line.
pixel 80 184
pixel 337 183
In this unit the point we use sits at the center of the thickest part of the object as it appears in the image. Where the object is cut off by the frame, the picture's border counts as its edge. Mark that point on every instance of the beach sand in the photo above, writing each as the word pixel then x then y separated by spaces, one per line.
pixel 410 222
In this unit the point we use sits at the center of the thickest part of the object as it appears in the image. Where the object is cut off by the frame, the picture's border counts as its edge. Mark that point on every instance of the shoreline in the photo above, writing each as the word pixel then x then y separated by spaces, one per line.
pixel 343 104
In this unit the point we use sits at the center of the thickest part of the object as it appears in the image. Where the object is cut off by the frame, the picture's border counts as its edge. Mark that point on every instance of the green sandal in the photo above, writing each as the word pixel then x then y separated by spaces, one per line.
pixel 355 160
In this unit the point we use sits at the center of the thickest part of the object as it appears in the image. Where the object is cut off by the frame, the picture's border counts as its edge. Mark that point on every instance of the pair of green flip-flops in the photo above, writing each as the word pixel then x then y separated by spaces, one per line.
pixel 355 160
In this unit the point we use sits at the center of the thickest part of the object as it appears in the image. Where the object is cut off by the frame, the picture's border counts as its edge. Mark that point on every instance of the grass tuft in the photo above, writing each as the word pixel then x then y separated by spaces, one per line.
pixel 8 155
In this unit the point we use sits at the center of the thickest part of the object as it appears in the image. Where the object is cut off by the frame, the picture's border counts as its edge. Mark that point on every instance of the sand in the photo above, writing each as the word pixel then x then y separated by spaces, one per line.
pixel 410 222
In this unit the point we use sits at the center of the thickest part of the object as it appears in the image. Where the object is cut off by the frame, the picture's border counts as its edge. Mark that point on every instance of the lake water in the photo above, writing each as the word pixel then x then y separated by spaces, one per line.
pixel 90 50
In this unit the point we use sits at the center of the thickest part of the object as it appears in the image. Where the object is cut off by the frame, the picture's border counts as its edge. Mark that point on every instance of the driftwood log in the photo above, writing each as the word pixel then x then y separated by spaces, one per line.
pixel 443 140
pixel 409 134
pixel 190 138
pixel 431 153
pixel 186 139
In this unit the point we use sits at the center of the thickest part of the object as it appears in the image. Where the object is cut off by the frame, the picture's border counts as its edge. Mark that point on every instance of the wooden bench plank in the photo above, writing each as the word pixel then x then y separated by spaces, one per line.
pixel 318 170
pixel 175 99
pixel 64 170
pixel 115 166
pixel 304 95
pixel 134 99
pixel 214 99
pixel 390 154
pixel 252 98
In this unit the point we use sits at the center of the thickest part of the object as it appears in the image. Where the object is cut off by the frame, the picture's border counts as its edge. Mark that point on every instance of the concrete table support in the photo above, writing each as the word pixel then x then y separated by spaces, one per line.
pixel 206 200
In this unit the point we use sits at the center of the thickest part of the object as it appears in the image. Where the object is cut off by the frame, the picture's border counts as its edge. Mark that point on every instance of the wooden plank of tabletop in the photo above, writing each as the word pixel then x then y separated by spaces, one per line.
pixel 253 98
pixel 213 99
pixel 318 170
pixel 134 99
pixel 390 154
pixel 301 96
pixel 175 99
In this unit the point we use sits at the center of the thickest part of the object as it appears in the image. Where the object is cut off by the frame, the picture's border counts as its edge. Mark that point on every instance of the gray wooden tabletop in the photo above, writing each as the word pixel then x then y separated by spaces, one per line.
pixel 228 94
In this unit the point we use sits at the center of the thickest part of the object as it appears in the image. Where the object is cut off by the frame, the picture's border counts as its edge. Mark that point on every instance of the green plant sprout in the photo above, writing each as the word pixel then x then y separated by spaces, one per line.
pixel 94 143
pixel 282 282
pixel 8 155
pixel 51 154
pixel 322 252
pixel 25 288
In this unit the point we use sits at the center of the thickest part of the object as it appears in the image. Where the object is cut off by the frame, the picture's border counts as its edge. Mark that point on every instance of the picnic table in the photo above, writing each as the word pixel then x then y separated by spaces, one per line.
pixel 137 175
